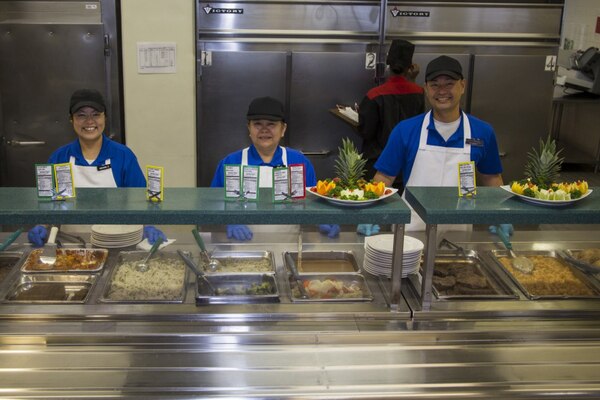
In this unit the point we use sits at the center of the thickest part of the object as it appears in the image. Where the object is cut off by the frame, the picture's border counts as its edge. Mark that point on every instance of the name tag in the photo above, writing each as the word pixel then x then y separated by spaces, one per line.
pixel 103 167
pixel 474 142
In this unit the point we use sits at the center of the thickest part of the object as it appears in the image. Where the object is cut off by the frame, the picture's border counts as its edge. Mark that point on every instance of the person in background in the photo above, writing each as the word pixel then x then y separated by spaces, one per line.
pixel 387 104
pixel 266 128
pixel 427 148
pixel 96 160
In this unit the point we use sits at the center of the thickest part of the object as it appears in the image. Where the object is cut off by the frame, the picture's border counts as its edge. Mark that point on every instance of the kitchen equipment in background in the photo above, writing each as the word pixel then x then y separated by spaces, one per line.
pixel 48 50
pixel 580 70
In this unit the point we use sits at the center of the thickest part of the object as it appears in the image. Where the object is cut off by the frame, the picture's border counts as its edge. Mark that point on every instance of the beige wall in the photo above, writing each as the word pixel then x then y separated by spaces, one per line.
pixel 160 109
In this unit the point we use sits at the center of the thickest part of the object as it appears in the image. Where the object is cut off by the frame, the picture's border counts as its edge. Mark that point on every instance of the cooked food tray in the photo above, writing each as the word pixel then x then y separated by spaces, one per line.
pixel 552 277
pixel 331 288
pixel 51 288
pixel 7 261
pixel 466 277
pixel 163 282
pixel 322 262
pixel 237 289
pixel 586 259
pixel 65 260
pixel 240 262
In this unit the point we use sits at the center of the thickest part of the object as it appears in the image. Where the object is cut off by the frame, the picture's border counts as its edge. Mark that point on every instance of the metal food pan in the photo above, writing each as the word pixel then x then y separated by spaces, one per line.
pixel 231 289
pixel 128 285
pixel 71 260
pixel 355 281
pixel 578 258
pixel 51 288
pixel 471 278
pixel 322 262
pixel 8 260
pixel 528 284
pixel 230 262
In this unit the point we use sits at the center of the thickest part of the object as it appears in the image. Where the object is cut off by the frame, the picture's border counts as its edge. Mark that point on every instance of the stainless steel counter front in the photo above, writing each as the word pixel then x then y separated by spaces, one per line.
pixel 288 350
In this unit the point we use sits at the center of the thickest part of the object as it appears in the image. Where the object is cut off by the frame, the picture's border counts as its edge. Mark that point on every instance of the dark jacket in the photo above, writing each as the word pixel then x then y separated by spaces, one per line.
pixel 381 110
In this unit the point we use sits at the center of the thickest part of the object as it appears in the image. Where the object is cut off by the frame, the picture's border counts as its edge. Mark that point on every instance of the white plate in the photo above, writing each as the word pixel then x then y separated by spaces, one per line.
pixel 117 230
pixel 385 243
pixel 548 203
pixel 353 203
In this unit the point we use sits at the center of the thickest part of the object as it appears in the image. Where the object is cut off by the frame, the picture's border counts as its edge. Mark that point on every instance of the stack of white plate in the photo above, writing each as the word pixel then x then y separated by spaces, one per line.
pixel 378 255
pixel 116 236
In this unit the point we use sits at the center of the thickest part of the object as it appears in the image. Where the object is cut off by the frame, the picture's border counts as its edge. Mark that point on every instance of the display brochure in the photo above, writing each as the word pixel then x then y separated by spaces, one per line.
pixel 297 181
pixel 155 177
pixel 63 175
pixel 233 181
pixel 44 177
pixel 466 179
pixel 250 180
pixel 281 184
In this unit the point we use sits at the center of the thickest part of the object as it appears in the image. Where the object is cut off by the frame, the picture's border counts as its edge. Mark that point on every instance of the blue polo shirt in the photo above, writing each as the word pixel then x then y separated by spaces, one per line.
pixel 124 164
pixel 293 157
pixel 401 149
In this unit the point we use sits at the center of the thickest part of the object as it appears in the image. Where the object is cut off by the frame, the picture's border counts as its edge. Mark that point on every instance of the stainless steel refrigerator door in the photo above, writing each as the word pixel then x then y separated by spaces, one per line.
pixel 514 94
pixel 319 81
pixel 225 89
pixel 48 50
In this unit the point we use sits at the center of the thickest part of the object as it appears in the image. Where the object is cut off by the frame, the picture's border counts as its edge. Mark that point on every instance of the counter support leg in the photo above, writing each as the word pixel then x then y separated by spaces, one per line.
pixel 396 295
pixel 427 271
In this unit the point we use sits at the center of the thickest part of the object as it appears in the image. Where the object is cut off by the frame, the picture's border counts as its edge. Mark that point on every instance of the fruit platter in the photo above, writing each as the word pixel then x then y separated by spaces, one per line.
pixel 541 185
pixel 349 188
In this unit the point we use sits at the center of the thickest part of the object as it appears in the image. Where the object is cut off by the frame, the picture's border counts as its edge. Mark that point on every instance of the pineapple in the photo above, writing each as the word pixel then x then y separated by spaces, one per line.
pixel 544 167
pixel 350 166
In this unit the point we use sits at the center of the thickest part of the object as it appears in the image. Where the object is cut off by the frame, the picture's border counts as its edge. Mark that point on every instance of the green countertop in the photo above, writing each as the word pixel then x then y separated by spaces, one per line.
pixel 492 205
pixel 187 206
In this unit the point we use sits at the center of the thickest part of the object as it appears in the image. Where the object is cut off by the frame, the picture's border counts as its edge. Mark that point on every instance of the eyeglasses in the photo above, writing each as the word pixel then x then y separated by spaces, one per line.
pixel 82 117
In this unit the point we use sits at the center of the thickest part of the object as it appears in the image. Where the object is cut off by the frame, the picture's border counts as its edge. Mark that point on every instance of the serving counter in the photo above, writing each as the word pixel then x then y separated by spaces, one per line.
pixel 291 350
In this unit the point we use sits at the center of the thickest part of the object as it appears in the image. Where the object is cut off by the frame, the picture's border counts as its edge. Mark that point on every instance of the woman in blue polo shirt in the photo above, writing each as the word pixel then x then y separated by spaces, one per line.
pixel 96 161
pixel 266 128
pixel 428 147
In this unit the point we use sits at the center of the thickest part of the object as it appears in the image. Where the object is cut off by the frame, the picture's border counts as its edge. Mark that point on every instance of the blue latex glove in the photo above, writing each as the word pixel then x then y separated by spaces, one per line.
pixel 367 229
pixel 331 230
pixel 506 228
pixel 239 232
pixel 151 233
pixel 38 235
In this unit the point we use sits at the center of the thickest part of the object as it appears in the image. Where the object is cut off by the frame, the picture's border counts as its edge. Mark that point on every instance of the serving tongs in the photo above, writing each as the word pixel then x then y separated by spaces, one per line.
pixel 582 265
pixel 520 263
pixel 453 246
pixel 199 274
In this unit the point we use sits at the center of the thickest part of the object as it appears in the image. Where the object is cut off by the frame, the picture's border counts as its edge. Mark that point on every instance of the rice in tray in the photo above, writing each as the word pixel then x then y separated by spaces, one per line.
pixel 241 264
pixel 163 280
pixel 550 277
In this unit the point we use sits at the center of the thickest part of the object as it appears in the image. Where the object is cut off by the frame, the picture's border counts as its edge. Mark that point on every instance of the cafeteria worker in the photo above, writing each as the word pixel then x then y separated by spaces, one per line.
pixel 96 161
pixel 266 127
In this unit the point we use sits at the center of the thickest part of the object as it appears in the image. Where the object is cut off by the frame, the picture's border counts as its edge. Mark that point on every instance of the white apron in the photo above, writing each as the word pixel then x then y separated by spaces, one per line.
pixel 437 166
pixel 89 177
pixel 266 172
pixel 266 181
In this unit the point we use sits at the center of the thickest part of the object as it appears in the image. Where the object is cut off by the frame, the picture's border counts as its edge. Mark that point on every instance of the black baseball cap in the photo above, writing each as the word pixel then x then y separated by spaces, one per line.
pixel 87 98
pixel 400 54
pixel 266 108
pixel 443 65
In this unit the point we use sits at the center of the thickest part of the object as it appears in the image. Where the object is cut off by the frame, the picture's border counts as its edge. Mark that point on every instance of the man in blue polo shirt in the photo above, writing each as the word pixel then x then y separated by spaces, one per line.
pixel 266 128
pixel 427 148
